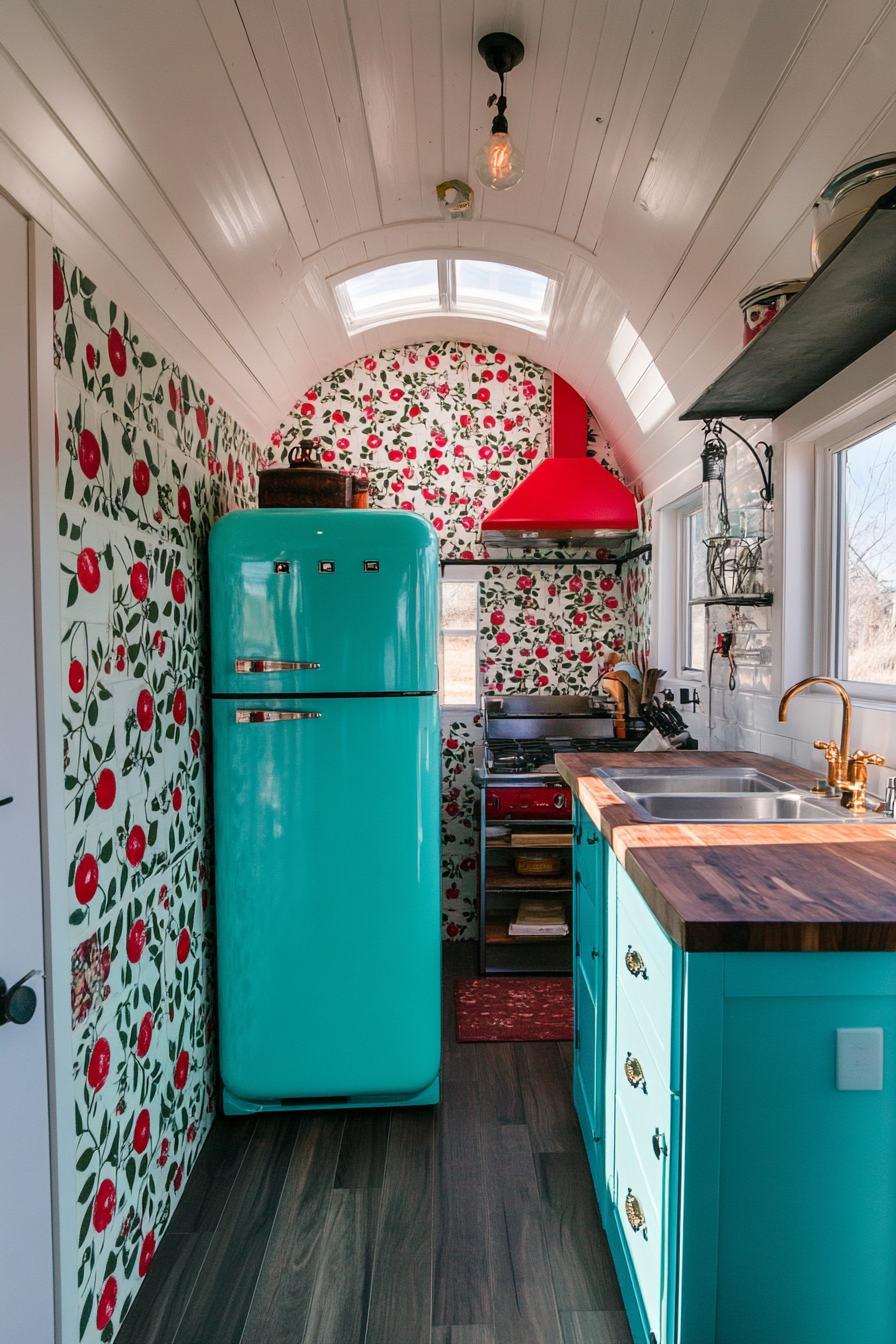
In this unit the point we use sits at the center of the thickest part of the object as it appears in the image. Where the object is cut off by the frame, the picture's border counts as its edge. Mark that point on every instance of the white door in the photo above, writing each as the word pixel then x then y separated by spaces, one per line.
pixel 26 1247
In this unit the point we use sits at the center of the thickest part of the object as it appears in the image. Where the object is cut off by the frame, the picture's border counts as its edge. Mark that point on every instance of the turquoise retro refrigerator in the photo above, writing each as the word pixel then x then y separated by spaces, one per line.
pixel 327 771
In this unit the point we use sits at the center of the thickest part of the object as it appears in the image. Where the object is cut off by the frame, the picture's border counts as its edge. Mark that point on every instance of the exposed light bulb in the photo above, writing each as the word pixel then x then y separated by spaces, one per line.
pixel 499 164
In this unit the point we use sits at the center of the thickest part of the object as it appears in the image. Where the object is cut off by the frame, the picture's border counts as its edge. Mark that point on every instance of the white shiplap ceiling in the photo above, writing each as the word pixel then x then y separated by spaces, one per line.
pixel 214 163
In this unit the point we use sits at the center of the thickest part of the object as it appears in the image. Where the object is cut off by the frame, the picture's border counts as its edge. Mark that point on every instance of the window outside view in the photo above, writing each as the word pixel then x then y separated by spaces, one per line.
pixel 695 583
pixel 457 646
pixel 865 547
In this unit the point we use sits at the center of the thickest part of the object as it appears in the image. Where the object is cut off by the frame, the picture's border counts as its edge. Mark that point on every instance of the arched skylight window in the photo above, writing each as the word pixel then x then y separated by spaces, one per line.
pixel 448 285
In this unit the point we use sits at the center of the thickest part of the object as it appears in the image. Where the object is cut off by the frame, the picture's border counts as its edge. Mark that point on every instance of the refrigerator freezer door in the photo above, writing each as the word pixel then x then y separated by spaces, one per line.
pixel 323 600
pixel 328 897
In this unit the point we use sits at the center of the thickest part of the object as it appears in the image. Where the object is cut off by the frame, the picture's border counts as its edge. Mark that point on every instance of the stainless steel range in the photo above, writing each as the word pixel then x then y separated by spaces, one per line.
pixel 523 732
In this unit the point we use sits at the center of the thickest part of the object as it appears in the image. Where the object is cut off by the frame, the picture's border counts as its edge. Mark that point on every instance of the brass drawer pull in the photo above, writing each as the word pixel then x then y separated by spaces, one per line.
pixel 635 1214
pixel 659 1145
pixel 272 715
pixel 633 1072
pixel 270 665
pixel 635 963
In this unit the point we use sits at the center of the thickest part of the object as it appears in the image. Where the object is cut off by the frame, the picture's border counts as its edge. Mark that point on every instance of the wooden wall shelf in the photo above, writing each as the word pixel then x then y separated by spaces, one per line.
pixel 848 306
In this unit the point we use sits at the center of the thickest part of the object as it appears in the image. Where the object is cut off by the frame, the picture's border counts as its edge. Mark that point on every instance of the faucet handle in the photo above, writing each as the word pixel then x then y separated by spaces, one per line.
pixel 868 758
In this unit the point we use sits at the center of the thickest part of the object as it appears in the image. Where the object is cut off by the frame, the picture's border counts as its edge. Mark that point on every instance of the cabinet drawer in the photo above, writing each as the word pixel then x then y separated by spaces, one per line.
pixel 643 1101
pixel 641 1228
pixel 644 969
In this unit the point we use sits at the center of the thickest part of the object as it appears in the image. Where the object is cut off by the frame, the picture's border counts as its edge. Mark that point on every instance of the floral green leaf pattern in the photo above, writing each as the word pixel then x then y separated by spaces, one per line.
pixel 146 462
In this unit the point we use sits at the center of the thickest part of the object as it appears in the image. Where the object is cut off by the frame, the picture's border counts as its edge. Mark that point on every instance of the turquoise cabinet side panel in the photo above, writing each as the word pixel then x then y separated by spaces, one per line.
pixel 354 591
pixel 808 1173
pixel 328 900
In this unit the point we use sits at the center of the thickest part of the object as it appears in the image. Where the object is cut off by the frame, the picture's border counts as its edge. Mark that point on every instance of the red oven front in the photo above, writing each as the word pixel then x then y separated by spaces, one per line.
pixel 516 802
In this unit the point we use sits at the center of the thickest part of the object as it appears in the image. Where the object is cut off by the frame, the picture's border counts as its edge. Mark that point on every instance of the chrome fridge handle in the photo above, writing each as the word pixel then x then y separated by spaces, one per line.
pixel 270 665
pixel 272 715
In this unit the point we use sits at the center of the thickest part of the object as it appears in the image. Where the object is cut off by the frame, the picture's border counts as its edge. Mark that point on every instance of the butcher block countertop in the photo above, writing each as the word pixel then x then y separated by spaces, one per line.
pixel 748 888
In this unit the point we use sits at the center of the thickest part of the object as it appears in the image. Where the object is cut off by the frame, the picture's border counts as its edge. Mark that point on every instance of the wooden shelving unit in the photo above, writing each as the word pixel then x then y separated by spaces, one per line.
pixel 501 889
pixel 848 306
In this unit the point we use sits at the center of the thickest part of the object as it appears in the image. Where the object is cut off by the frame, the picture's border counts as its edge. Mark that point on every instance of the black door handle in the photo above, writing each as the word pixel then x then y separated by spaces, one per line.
pixel 4 801
pixel 18 1003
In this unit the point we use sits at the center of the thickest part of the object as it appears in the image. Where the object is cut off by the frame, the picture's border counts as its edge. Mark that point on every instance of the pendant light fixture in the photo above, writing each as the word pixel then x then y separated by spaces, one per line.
pixel 499 164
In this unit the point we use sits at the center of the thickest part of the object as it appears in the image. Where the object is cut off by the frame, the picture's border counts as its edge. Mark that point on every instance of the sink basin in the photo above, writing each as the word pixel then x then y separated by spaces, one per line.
pixel 654 779
pixel 737 807
pixel 726 795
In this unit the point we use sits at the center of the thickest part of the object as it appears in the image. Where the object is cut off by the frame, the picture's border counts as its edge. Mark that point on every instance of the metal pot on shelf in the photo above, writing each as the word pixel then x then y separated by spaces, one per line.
pixel 846 198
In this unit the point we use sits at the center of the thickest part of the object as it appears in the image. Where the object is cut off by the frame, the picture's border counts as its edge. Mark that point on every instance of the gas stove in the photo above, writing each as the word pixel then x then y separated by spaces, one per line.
pixel 522 735
pixel 524 732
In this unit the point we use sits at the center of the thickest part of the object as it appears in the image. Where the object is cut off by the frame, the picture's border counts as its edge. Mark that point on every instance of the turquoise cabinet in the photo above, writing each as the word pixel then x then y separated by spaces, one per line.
pixel 744 1196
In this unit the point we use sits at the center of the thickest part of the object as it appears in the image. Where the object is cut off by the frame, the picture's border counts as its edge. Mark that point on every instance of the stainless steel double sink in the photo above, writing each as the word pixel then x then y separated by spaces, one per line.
pixel 727 794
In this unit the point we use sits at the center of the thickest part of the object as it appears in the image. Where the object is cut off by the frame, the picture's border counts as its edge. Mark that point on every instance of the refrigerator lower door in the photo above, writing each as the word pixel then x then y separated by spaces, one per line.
pixel 328 897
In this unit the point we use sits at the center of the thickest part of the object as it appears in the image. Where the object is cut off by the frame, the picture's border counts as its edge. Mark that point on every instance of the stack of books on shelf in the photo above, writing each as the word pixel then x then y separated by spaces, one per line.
pixel 539 919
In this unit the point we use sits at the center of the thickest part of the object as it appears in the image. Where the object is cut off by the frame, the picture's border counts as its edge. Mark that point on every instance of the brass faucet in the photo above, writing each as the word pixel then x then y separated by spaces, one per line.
pixel 847 774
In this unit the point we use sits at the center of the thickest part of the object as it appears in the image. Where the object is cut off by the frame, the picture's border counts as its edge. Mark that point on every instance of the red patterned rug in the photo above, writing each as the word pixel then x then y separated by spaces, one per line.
pixel 514 1008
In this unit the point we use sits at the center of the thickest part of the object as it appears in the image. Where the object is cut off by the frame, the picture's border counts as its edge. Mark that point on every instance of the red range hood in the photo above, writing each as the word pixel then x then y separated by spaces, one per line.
pixel 569 498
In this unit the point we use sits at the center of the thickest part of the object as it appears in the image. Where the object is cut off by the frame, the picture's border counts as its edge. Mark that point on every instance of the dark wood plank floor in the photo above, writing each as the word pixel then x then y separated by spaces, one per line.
pixel 473 1222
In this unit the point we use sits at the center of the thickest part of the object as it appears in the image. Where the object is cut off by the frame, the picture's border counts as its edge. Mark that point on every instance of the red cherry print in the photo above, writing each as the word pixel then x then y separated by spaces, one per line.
pixel 104 1205
pixel 191 1133
pixel 487 375
pixel 141 477
pixel 179 708
pixel 177 799
pixel 183 945
pixel 201 422
pixel 184 505
pixel 87 877
pixel 163 1153
pixel 105 789
pixel 135 847
pixel 181 1069
pixel 98 1067
pixel 76 676
pixel 147 1251
pixel 432 361
pixel 91 357
pixel 194 741
pixel 141 1131
pixel 178 587
pixel 178 1176
pixel 144 711
pixel 173 394
pixel 105 963
pixel 118 357
pixel 106 1307
pixel 58 287
pixel 140 581
pixel 89 570
pixel 370 365
pixel 144 1036
pixel 502 375
pixel 452 930
pixel 136 940
pixel 497 618
pixel 483 394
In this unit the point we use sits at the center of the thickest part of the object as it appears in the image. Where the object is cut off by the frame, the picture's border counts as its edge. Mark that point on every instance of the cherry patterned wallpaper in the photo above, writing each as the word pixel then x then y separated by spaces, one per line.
pixel 447 430
pixel 146 462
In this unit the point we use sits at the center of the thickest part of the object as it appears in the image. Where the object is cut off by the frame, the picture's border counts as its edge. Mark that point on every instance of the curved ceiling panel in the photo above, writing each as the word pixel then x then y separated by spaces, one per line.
pixel 214 163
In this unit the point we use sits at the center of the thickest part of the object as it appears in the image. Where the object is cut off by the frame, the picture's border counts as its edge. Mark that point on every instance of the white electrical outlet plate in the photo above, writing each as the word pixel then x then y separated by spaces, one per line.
pixel 860 1059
